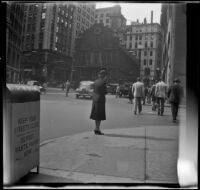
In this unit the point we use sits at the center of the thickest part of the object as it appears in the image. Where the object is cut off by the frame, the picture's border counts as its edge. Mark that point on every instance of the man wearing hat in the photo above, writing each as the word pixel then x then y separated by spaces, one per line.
pixel 175 94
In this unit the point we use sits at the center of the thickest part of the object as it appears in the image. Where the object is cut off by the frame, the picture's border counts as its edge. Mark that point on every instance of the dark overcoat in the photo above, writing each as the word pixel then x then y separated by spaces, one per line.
pixel 99 99
pixel 175 93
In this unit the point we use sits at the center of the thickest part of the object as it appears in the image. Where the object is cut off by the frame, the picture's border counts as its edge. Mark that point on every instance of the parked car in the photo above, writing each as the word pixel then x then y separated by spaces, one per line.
pixel 37 84
pixel 85 89
pixel 111 88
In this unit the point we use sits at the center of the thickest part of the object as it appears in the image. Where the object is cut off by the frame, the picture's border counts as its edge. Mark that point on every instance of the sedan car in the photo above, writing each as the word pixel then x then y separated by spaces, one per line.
pixel 37 84
pixel 85 89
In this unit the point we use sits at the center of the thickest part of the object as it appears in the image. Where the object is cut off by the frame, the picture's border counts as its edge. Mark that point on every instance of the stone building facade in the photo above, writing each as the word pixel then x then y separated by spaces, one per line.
pixel 143 40
pixel 98 48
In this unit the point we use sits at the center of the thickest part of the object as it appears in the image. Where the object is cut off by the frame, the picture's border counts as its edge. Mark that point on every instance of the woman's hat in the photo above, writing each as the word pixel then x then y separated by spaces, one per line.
pixel 102 73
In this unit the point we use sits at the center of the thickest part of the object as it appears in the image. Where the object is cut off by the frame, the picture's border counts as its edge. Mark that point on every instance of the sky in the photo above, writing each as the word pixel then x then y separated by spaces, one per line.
pixel 134 11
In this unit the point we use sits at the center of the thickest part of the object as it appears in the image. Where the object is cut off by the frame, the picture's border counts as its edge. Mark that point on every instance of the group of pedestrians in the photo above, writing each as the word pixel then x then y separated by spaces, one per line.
pixel 159 93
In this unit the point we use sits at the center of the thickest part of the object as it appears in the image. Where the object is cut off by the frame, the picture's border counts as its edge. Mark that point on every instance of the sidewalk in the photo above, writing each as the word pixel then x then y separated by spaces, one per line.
pixel 127 155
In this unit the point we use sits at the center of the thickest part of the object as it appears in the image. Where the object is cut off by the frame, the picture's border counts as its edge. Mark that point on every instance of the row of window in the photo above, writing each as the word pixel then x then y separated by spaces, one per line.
pixel 102 15
pixel 101 20
pixel 140 44
pixel 139 37
pixel 84 18
pixel 88 10
pixel 150 62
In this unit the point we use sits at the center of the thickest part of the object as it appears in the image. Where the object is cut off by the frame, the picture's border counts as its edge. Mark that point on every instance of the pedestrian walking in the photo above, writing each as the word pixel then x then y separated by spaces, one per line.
pixel 153 96
pixel 138 95
pixel 63 86
pixel 161 94
pixel 145 95
pixel 45 87
pixel 149 95
pixel 175 94
pixel 130 95
pixel 67 87
pixel 98 112
pixel 117 91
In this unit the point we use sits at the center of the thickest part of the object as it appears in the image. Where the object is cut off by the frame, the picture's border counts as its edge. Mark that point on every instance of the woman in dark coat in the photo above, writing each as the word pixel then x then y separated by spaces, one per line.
pixel 98 105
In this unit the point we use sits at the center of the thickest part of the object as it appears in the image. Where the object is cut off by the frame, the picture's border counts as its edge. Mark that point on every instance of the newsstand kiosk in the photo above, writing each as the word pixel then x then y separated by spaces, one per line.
pixel 21 131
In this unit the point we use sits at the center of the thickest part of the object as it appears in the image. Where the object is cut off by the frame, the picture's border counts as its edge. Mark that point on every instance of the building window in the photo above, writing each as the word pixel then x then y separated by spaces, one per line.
pixel 151 53
pixel 101 15
pixel 101 21
pixel 151 44
pixel 43 15
pixel 145 53
pixel 130 38
pixel 107 20
pixel 136 37
pixel 135 44
pixel 145 44
pixel 145 61
pixel 140 38
pixel 130 45
pixel 150 62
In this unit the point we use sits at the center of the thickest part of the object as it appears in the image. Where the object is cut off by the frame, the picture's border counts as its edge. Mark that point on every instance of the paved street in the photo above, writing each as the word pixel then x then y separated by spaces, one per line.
pixel 136 149
pixel 61 116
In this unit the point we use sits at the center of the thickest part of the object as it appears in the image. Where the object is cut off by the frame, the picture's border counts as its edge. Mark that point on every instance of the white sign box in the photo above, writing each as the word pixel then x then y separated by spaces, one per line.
pixel 21 139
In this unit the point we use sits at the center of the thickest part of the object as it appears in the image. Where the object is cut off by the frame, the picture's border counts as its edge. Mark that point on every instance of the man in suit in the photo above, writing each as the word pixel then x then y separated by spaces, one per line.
pixel 175 94
pixel 138 94
pixel 98 104
pixel 161 92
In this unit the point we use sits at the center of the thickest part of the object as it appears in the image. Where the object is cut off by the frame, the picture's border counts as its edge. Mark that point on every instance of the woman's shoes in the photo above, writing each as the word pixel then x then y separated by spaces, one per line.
pixel 98 132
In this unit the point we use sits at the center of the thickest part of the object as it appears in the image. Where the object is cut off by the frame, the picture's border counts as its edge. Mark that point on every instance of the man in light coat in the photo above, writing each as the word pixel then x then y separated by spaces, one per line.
pixel 138 94
pixel 161 94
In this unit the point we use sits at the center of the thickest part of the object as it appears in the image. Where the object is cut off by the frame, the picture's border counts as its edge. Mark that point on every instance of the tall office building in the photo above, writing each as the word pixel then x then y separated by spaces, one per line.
pixel 49 26
pixel 14 33
pixel 52 28
pixel 144 41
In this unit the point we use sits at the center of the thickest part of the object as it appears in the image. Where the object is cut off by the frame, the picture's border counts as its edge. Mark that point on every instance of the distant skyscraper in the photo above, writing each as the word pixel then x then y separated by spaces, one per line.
pixel 55 26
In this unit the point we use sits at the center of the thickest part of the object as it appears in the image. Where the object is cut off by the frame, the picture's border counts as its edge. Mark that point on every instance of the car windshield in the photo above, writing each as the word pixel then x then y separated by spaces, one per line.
pixel 36 83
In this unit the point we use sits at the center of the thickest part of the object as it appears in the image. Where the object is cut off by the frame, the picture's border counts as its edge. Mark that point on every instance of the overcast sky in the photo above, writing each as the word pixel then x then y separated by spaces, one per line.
pixel 134 11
